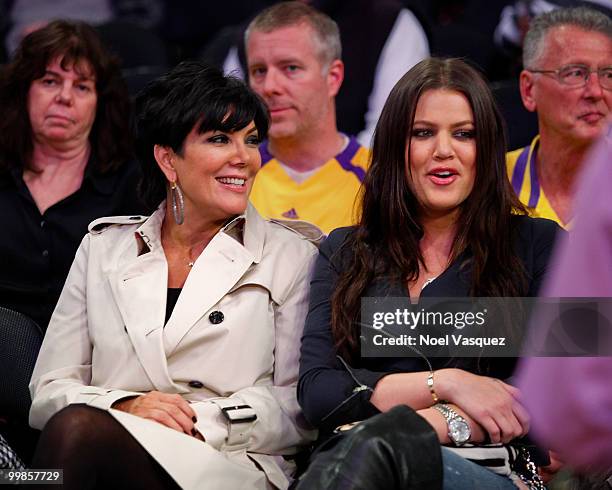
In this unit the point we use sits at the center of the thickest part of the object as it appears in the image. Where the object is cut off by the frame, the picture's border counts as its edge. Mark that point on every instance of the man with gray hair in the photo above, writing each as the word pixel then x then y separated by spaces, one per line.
pixel 567 80
pixel 310 171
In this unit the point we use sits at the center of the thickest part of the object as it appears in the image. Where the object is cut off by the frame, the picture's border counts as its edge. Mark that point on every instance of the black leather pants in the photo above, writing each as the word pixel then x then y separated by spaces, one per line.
pixel 394 450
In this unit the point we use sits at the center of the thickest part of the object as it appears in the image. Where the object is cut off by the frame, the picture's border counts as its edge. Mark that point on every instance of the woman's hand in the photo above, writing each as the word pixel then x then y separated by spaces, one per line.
pixel 438 422
pixel 170 410
pixel 490 402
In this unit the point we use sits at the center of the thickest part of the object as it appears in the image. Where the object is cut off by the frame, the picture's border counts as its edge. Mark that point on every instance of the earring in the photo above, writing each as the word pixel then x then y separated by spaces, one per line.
pixel 178 207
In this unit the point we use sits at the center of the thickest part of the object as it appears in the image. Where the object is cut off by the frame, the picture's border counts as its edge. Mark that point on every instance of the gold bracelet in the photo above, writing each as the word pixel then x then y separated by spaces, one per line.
pixel 430 385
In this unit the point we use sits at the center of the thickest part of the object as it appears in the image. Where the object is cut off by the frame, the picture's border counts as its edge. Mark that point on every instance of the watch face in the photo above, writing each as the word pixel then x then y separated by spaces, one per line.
pixel 459 431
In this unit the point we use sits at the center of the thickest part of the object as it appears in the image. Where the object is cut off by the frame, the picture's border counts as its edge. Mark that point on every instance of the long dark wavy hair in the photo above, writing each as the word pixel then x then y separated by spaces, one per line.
pixel 386 241
pixel 74 43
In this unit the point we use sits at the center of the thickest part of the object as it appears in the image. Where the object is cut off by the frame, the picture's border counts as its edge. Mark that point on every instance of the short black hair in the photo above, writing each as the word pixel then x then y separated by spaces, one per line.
pixel 191 94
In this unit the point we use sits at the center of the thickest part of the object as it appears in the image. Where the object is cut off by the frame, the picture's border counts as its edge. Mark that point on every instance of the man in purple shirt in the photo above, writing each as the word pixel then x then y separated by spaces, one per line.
pixel 570 399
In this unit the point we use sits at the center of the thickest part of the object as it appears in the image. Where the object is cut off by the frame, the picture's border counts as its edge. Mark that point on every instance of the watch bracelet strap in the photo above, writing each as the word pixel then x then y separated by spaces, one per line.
pixel 450 415
pixel 447 411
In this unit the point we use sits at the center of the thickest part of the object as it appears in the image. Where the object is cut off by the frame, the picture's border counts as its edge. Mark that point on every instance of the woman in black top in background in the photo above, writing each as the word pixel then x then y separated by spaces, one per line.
pixel 65 159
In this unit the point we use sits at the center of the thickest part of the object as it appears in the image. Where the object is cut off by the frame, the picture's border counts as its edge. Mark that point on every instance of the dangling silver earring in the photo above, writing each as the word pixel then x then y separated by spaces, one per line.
pixel 178 206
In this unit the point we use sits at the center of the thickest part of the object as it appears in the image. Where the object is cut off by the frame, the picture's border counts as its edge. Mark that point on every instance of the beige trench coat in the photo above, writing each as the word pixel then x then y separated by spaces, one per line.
pixel 107 340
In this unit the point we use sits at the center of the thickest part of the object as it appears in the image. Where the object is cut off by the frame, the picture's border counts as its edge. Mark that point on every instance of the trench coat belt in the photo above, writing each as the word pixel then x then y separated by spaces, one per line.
pixel 241 419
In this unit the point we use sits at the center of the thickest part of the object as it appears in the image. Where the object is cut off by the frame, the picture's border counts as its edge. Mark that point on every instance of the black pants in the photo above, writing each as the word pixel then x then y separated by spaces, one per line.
pixel 96 452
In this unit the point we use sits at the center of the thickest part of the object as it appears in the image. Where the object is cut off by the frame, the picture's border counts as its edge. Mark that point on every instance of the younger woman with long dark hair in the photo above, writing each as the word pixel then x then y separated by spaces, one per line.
pixel 439 220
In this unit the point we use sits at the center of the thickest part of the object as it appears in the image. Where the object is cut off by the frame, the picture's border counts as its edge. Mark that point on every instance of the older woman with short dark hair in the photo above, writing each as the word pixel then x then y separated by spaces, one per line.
pixel 65 151
pixel 172 356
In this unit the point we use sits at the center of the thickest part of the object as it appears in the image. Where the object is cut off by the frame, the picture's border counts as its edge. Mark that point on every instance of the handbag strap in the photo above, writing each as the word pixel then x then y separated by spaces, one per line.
pixel 526 469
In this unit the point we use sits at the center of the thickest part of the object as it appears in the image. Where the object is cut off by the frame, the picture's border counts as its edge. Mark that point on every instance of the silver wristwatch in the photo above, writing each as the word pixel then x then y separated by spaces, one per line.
pixel 458 429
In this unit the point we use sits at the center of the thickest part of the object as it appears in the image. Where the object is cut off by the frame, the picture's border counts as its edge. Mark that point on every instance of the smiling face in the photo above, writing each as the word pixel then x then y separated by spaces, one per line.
pixel 215 171
pixel 575 114
pixel 62 104
pixel 441 157
pixel 286 70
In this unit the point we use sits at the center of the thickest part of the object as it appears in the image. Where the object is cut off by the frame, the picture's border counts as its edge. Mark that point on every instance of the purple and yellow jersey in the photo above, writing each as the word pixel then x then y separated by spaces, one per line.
pixel 327 198
pixel 522 172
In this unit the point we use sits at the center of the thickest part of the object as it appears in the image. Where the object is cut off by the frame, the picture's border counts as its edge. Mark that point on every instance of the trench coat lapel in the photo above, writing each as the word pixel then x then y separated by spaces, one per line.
pixel 139 286
pixel 140 294
pixel 140 289
pixel 220 266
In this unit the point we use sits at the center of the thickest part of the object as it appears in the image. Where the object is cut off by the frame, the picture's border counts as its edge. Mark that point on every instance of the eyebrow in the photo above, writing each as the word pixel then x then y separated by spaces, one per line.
pixel 281 61
pixel 583 64
pixel 252 130
pixel 284 61
pixel 80 78
pixel 454 125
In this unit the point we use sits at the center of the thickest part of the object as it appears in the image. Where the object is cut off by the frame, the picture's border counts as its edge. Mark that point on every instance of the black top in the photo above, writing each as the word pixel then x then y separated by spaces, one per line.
pixel 37 250
pixel 171 299
pixel 324 382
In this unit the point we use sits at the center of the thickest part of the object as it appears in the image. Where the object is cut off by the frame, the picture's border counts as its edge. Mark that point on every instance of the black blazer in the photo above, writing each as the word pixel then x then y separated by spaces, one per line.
pixel 326 387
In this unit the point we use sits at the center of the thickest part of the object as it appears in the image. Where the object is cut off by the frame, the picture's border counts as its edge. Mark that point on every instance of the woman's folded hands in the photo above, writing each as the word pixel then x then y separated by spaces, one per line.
pixel 489 402
pixel 171 410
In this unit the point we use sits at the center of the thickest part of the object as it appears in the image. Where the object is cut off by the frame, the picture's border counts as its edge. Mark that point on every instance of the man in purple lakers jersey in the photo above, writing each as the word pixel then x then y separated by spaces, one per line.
pixel 310 171
pixel 567 80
